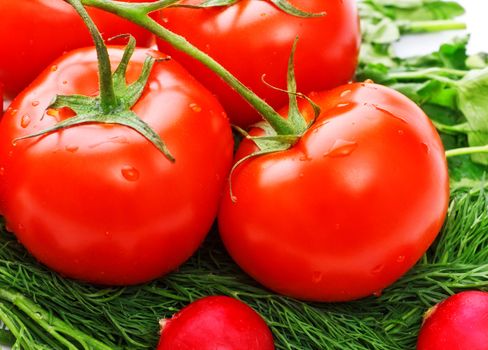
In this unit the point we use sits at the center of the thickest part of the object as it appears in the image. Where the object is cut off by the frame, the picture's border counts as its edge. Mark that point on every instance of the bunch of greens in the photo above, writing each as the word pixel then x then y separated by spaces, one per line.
pixel 45 311
pixel 448 84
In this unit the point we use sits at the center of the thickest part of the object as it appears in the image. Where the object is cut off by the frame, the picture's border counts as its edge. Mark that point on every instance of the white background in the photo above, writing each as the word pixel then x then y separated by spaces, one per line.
pixel 477 19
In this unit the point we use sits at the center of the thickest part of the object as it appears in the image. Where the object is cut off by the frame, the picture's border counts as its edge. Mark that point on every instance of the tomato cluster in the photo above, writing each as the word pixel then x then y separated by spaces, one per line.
pixel 341 214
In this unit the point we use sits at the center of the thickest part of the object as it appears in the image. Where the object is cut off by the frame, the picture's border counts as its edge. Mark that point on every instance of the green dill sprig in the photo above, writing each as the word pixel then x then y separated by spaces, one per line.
pixel 127 318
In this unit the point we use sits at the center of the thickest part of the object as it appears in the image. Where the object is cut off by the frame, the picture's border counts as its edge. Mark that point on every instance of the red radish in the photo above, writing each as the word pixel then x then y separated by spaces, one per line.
pixel 215 323
pixel 457 323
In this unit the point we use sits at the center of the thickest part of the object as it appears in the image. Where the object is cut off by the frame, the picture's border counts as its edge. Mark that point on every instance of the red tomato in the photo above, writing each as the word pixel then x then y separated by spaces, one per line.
pixel 213 323
pixel 99 202
pixel 1 99
pixel 349 208
pixel 253 37
pixel 457 323
pixel 36 32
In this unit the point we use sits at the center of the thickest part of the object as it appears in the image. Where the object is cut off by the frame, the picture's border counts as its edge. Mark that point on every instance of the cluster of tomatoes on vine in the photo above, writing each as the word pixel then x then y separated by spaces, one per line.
pixel 119 180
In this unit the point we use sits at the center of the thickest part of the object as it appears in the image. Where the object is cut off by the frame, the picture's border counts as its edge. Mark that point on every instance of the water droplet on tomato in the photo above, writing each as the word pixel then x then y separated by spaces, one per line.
pixel 20 228
pixel 381 109
pixel 341 148
pixel 35 103
pixel 54 68
pixel 304 158
pixel 400 259
pixel 425 147
pixel 313 94
pixel 25 121
pixel 2 171
pixel 195 107
pixel 8 227
pixel 165 20
pixel 130 173
pixel 378 269
pixel 52 112
pixel 401 132
pixel 378 293
pixel 345 93
pixel 71 148
pixel 317 277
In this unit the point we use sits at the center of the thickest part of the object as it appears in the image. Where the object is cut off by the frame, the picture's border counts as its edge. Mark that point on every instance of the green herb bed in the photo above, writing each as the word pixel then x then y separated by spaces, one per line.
pixel 45 311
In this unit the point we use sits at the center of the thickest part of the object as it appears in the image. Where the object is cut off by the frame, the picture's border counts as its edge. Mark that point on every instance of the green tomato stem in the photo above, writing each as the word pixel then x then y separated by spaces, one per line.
pixel 138 14
pixel 466 151
pixel 108 100
pixel 431 26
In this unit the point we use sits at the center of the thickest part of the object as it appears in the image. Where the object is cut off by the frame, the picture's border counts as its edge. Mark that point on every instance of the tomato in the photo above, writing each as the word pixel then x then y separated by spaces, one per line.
pixel 1 99
pixel 99 202
pixel 253 38
pixel 36 32
pixel 349 208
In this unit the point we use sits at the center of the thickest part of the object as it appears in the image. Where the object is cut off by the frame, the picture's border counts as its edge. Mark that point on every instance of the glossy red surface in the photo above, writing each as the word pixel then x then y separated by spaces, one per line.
pixel 36 32
pixel 253 38
pixel 99 202
pixel 349 208
pixel 216 322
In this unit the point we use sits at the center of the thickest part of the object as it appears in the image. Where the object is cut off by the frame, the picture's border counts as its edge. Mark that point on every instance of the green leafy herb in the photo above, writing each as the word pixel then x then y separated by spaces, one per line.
pixel 127 318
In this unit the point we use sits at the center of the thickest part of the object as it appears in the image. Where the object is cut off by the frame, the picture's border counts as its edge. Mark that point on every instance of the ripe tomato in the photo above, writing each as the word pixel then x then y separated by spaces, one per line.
pixel 99 202
pixel 36 32
pixel 253 37
pixel 349 208
pixel 1 99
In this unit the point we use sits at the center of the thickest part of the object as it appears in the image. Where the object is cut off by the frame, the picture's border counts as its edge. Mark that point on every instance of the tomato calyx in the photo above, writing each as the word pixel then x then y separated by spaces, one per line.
pixel 272 140
pixel 283 5
pixel 113 104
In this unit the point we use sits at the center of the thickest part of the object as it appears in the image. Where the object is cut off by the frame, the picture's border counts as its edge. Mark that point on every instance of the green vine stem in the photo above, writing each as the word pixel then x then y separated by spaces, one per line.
pixel 139 14
pixel 108 100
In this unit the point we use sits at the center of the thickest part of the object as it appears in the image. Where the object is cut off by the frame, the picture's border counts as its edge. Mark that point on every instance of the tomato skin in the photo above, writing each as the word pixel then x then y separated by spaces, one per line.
pixel 36 32
pixel 1 99
pixel 253 37
pixel 348 209
pixel 100 203
pixel 457 323
pixel 216 322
